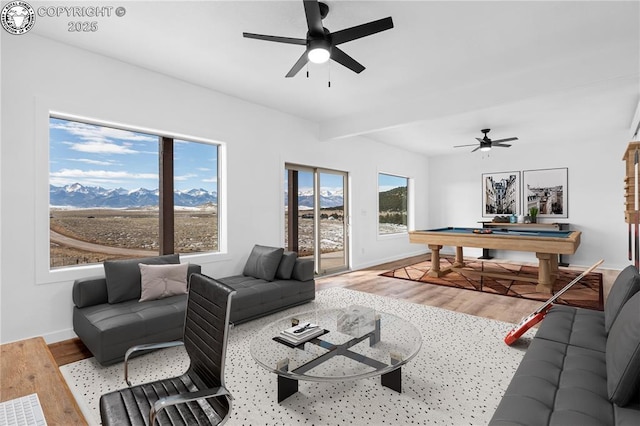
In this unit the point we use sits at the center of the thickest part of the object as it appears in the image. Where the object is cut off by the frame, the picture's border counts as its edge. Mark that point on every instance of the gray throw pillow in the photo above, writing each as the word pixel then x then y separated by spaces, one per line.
pixel 623 354
pixel 263 262
pixel 123 276
pixel 288 261
pixel 626 285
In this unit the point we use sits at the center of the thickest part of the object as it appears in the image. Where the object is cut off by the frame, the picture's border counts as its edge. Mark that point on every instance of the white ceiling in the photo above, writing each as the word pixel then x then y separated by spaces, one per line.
pixel 539 70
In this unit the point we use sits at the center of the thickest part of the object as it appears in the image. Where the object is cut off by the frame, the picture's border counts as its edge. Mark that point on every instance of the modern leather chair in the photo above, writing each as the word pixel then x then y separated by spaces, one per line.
pixel 199 396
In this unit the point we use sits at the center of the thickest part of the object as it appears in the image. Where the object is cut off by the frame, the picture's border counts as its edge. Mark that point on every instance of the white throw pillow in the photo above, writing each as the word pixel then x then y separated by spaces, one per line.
pixel 160 281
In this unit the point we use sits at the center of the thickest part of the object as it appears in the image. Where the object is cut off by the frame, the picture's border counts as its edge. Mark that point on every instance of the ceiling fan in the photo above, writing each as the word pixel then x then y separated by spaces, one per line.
pixel 321 43
pixel 486 144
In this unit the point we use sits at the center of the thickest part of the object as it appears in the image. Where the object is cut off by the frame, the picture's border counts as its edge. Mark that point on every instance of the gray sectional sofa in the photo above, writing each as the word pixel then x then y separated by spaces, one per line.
pixel 109 317
pixel 272 280
pixel 582 367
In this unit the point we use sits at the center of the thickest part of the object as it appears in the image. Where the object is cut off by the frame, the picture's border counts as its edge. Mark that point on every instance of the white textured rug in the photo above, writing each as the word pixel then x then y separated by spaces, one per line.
pixel 457 378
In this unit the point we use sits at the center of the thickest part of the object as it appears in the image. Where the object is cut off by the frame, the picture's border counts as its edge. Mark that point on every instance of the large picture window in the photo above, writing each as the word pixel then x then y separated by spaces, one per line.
pixel 117 193
pixel 393 201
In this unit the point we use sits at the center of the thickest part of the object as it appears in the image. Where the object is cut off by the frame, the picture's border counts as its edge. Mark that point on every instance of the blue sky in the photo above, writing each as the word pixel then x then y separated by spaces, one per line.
pixel 112 158
pixel 388 182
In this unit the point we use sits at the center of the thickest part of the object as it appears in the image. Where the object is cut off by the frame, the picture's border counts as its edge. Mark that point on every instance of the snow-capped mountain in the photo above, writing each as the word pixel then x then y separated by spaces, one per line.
pixel 80 196
pixel 327 198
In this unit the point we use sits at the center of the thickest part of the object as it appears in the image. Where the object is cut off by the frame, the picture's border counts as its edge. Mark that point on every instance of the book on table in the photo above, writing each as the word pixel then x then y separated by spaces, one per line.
pixel 301 333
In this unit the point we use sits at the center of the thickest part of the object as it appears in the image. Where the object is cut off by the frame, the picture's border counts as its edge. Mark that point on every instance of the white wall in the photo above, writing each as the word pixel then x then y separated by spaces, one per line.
pixel 596 202
pixel 39 76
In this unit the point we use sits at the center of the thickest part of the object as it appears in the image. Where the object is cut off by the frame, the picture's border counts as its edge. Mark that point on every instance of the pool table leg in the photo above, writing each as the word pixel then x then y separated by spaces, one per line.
pixel 435 261
pixel 459 262
pixel 547 272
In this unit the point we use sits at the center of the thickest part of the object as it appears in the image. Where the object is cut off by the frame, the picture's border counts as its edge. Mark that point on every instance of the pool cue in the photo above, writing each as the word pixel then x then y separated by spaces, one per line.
pixel 630 238
pixel 637 245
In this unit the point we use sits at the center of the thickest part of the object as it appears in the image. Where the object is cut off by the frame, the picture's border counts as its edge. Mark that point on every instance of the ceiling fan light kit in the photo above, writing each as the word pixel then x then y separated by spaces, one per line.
pixel 319 51
pixel 321 44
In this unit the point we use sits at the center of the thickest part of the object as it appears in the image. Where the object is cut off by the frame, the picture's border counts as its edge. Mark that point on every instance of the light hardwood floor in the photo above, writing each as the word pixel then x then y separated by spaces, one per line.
pixel 502 308
pixel 486 305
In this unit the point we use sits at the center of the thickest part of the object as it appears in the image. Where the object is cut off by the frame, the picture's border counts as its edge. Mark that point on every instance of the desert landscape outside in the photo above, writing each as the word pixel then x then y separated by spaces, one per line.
pixel 82 236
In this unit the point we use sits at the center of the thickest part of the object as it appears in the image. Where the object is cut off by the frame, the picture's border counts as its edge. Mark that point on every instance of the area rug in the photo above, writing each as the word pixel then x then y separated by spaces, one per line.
pixel 457 378
pixel 587 293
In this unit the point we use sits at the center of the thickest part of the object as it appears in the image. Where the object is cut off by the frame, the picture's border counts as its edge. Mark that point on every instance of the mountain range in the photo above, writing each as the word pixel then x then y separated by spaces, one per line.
pixel 81 196
pixel 327 199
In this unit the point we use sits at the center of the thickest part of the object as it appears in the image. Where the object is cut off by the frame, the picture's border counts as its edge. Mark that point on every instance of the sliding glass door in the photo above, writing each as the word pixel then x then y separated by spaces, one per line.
pixel 316 222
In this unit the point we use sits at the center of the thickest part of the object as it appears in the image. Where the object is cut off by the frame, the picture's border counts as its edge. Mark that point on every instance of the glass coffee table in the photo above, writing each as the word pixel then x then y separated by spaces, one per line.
pixel 380 348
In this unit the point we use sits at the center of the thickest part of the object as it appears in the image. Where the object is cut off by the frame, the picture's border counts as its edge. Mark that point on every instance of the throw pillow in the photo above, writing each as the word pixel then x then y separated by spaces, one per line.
pixel 288 261
pixel 160 281
pixel 623 353
pixel 626 285
pixel 123 276
pixel 263 262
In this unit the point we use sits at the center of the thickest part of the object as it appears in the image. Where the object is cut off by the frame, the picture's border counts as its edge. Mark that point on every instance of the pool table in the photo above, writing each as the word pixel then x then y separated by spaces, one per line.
pixel 547 245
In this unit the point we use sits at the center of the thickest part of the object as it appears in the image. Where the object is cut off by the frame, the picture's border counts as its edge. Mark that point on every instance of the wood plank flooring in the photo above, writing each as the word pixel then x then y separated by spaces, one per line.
pixel 27 367
pixel 502 308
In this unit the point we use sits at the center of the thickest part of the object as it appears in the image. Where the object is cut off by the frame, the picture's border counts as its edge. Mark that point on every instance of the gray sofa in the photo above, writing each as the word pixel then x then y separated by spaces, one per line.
pixel 109 318
pixel 272 280
pixel 582 367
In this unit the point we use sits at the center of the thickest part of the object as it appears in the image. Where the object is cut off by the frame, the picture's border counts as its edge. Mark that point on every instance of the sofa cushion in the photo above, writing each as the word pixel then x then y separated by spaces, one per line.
pixel 256 297
pixel 626 285
pixel 123 276
pixel 623 353
pixel 574 326
pixel 109 330
pixel 288 261
pixel 557 384
pixel 89 291
pixel 303 270
pixel 263 262
pixel 160 281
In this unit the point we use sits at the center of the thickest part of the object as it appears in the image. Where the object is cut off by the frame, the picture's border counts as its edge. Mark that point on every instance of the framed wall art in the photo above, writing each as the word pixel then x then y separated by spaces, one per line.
pixel 500 194
pixel 547 190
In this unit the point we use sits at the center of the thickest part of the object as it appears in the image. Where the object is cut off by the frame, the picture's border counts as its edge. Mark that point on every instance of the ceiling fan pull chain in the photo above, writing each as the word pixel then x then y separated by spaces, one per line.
pixel 329 74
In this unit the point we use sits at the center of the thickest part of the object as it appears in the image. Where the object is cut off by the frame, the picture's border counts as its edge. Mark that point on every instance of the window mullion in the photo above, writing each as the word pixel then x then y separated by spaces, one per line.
pixel 166 202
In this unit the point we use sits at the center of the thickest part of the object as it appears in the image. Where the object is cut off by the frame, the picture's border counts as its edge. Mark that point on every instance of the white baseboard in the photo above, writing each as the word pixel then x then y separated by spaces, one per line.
pixel 388 259
pixel 59 336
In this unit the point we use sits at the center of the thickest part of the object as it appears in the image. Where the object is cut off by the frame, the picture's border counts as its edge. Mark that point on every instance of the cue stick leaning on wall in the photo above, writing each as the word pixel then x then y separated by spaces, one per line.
pixel 637 213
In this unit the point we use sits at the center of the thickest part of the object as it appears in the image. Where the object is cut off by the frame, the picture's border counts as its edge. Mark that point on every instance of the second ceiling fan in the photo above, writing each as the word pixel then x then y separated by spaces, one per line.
pixel 321 44
pixel 486 144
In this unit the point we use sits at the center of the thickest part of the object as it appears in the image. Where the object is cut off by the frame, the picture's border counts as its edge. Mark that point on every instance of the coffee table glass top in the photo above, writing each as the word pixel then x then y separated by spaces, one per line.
pixel 336 356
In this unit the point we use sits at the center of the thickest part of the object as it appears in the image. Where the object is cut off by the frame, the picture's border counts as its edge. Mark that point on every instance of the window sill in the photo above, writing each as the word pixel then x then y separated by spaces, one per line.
pixel 72 273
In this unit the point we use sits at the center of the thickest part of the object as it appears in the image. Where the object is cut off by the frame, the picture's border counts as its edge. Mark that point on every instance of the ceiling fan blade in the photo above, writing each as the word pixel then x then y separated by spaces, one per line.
pixel 277 39
pixel 480 140
pixel 461 146
pixel 342 58
pixel 505 145
pixel 505 140
pixel 314 19
pixel 363 30
pixel 298 65
pixel 477 148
